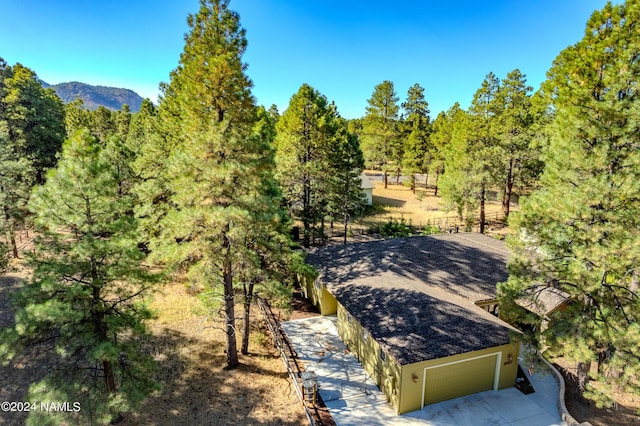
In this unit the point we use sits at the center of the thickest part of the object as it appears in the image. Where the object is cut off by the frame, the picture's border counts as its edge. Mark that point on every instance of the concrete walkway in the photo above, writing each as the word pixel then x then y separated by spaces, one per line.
pixel 353 398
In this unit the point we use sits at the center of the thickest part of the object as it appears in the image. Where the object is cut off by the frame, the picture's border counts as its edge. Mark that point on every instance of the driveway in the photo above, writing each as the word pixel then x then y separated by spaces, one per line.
pixel 353 399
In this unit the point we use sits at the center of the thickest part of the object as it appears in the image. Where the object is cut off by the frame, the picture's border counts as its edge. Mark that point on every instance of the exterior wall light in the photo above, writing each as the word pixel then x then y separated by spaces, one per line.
pixel 509 359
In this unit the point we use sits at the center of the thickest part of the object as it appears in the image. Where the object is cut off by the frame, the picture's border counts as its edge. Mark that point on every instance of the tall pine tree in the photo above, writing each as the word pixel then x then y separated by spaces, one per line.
pixel 513 156
pixel 31 134
pixel 345 185
pixel 468 172
pixel 303 145
pixel 215 182
pixel 381 142
pixel 86 290
pixel 579 234
pixel 417 153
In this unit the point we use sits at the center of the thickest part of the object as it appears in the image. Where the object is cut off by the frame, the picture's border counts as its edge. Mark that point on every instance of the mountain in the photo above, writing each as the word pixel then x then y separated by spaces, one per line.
pixel 94 96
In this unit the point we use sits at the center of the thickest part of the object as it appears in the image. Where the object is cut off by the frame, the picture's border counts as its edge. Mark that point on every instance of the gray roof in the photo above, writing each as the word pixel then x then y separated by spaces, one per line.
pixel 366 182
pixel 416 295
pixel 543 299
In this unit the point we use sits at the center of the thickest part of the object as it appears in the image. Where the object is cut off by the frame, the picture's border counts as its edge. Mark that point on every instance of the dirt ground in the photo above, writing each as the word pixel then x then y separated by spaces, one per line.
pixel 196 388
pixel 422 208
pixel 625 413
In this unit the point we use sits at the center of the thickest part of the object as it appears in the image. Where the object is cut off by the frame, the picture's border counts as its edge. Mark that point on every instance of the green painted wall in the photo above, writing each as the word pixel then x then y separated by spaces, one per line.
pixel 411 390
pixel 328 303
pixel 318 294
pixel 403 385
pixel 397 382
pixel 384 372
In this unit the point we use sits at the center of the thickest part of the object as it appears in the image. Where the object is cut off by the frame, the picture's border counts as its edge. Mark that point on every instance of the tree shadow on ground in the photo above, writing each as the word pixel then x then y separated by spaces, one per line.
pixel 390 202
pixel 195 386
pixel 197 389
pixel 28 367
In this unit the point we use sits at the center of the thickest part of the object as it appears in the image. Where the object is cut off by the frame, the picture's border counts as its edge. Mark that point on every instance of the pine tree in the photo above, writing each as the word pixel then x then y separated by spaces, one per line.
pixel 102 123
pixel 381 142
pixel 417 154
pixel 469 174
pixel 513 155
pixel 215 185
pixel 34 117
pixel 86 290
pixel 580 232
pixel 457 189
pixel 76 117
pixel 16 181
pixel 439 140
pixel 303 145
pixel 151 148
pixel 31 133
pixel 345 185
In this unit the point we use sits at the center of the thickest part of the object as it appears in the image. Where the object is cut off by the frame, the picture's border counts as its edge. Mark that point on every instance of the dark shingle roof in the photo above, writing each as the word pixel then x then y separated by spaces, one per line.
pixel 415 295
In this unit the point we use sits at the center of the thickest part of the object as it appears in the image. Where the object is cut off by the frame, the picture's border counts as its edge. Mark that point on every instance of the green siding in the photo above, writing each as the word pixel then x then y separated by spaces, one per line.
pixel 412 377
pixel 328 303
pixel 385 373
pixel 320 297
pixel 404 386
pixel 466 378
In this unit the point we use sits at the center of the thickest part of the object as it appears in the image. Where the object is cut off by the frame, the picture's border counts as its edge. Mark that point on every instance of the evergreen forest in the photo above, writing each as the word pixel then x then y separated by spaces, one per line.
pixel 207 187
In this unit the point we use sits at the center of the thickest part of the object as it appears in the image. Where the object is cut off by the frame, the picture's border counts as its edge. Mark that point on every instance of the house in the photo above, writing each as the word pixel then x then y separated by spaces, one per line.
pixel 367 189
pixel 544 300
pixel 406 309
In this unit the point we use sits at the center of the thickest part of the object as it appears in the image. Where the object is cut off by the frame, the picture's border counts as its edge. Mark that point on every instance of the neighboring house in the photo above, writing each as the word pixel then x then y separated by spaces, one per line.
pixel 406 310
pixel 367 188
pixel 544 300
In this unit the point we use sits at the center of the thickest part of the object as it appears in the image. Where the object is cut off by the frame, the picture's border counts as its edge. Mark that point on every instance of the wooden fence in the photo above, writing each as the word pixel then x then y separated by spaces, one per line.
pixel 447 224
pixel 24 237
pixel 291 362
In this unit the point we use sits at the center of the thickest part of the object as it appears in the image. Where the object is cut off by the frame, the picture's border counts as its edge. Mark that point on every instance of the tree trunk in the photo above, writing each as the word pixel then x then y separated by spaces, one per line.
pixel 602 357
pixel 426 180
pixel 306 213
pixel 229 301
pixel 346 224
pixel 413 183
pixel 385 179
pixel 435 194
pixel 482 213
pixel 248 298
pixel 12 236
pixel 582 372
pixel 109 377
pixel 12 232
pixel 101 328
pixel 508 190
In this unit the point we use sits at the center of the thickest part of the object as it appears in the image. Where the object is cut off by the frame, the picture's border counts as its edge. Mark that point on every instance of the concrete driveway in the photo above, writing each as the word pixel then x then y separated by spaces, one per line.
pixel 353 399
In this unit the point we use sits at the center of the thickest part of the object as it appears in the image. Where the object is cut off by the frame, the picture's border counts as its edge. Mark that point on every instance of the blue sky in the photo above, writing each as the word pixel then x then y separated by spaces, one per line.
pixel 342 48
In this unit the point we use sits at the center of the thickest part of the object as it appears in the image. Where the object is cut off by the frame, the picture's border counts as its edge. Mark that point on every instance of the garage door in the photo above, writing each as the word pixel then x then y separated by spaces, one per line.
pixel 459 379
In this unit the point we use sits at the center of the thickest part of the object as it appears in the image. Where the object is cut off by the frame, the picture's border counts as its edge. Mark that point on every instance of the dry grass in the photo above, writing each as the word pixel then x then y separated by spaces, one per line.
pixel 420 209
pixel 196 387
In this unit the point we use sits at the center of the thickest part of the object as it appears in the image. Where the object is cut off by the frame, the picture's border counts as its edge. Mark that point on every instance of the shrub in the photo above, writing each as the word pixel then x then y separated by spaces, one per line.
pixel 394 229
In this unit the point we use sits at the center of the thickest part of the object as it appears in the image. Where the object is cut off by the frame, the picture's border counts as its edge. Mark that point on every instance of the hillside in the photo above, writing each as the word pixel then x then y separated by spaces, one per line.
pixel 94 96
